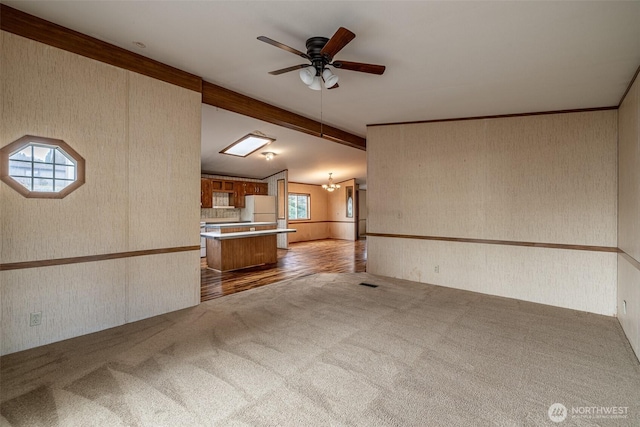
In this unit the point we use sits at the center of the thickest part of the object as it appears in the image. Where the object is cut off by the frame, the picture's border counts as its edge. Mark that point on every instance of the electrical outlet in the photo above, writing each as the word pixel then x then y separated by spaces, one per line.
pixel 35 319
pixel 437 269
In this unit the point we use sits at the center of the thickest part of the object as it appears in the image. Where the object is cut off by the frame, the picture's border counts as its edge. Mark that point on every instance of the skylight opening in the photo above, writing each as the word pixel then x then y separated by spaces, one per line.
pixel 248 144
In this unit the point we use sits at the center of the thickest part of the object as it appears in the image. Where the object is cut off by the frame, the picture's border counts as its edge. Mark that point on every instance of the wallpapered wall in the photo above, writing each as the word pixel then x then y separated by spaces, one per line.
pixel 328 214
pixel 629 216
pixel 141 141
pixel 546 178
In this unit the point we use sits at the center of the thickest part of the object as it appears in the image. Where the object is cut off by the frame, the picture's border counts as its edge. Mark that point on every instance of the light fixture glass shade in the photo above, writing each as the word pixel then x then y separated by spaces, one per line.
pixel 331 186
pixel 330 79
pixel 269 155
pixel 315 85
pixel 307 74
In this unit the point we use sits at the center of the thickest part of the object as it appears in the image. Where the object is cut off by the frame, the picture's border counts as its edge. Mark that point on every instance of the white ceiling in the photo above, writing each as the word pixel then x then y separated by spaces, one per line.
pixel 308 159
pixel 444 60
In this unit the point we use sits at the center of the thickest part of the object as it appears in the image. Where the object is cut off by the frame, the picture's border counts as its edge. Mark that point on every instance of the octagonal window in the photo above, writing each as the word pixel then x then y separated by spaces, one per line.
pixel 41 167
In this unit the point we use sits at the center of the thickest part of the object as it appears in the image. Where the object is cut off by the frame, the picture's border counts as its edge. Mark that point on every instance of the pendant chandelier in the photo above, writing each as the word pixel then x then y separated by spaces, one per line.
pixel 331 186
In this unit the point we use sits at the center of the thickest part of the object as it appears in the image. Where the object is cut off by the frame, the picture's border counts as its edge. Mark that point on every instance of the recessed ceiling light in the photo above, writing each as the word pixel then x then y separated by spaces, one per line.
pixel 140 45
pixel 248 144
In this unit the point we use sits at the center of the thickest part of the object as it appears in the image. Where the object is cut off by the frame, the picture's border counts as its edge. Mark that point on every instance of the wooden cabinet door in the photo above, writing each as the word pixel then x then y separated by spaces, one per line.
pixel 249 188
pixel 238 195
pixel 216 184
pixel 206 193
pixel 220 186
pixel 255 188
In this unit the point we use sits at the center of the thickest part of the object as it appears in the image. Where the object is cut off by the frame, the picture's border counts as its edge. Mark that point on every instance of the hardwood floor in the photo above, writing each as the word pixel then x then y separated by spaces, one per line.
pixel 302 259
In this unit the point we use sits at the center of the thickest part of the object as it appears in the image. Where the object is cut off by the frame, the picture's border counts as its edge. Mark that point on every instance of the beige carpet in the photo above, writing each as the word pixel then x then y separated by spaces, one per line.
pixel 323 350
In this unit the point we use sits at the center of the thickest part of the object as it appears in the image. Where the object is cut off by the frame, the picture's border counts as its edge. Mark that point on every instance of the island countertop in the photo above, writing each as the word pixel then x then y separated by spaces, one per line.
pixel 244 234
pixel 236 224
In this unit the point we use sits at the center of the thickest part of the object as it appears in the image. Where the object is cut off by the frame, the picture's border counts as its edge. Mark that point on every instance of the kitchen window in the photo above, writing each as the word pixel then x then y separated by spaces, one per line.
pixel 299 206
pixel 39 167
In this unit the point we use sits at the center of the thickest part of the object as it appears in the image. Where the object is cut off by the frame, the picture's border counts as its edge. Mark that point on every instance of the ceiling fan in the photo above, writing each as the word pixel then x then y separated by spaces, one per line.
pixel 320 52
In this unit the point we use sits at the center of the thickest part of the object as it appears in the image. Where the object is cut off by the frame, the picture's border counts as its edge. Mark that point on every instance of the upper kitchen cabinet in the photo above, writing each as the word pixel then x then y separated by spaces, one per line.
pixel 245 188
pixel 255 188
pixel 262 189
pixel 236 190
pixel 238 195
pixel 206 193
pixel 219 185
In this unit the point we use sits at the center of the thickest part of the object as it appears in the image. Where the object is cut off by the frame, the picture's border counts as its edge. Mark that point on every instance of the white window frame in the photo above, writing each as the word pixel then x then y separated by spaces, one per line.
pixel 308 196
pixel 37 141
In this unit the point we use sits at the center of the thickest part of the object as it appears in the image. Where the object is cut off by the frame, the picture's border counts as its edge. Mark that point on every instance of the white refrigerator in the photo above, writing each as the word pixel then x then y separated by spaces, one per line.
pixel 259 209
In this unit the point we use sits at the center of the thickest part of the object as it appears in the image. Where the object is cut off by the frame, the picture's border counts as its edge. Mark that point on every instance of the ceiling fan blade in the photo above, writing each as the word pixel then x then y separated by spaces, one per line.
pixel 359 66
pixel 335 86
pixel 337 42
pixel 283 46
pixel 286 70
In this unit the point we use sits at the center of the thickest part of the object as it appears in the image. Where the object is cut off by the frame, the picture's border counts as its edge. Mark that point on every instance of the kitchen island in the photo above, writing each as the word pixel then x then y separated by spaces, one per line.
pixel 236 245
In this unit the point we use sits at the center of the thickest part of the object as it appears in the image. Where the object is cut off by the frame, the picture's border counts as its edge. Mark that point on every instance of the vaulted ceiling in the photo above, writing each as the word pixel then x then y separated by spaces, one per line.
pixel 443 59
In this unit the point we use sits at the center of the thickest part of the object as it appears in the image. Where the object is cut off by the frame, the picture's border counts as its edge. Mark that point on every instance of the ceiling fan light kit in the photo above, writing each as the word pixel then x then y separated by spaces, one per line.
pixel 329 78
pixel 307 74
pixel 320 52
pixel 315 85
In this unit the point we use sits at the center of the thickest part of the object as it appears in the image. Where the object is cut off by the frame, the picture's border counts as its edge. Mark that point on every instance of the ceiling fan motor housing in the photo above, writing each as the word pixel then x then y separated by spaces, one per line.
pixel 314 46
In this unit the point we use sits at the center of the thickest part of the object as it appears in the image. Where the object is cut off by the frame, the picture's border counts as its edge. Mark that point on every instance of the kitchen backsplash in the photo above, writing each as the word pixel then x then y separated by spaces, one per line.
pixel 219 213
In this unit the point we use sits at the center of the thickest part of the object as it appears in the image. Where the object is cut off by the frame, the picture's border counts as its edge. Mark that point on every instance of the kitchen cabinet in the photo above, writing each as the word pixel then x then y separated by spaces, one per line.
pixel 246 188
pixel 206 193
pixel 238 195
pixel 219 185
pixel 262 189
pixel 255 188
pixel 236 189
pixel 232 246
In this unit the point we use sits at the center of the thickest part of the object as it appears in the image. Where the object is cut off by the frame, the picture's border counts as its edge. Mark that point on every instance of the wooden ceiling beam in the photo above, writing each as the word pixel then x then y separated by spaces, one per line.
pixel 226 99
